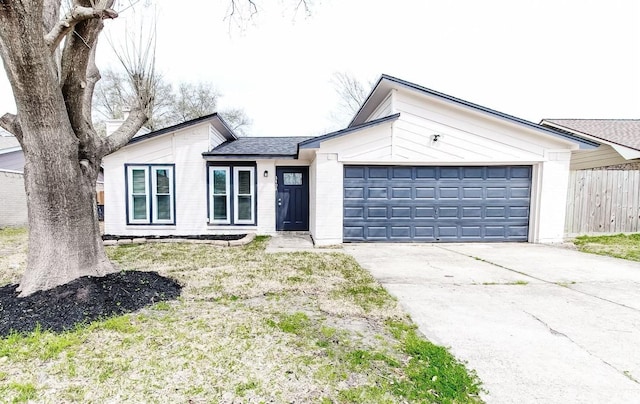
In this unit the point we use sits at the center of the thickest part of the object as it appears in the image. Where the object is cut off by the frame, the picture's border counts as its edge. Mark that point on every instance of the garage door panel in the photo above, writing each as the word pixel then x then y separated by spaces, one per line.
pixel 354 212
pixel 392 203
pixel 377 193
pixel 378 172
pixel 354 193
pixel 377 232
pixel 353 172
pixel 401 232
pixel 425 212
pixel 425 193
pixel 401 212
pixel 401 193
pixel 519 193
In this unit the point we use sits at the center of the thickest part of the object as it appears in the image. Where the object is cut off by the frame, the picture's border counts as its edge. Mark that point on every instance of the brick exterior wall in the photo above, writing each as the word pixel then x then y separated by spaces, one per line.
pixel 13 199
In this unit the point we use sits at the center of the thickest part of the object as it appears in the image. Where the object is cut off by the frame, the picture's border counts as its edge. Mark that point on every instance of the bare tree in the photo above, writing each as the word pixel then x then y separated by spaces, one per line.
pixel 351 94
pixel 48 50
pixel 188 101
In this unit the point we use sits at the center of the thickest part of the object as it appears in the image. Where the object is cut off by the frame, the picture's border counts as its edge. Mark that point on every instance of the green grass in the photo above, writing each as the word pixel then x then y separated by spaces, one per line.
pixel 433 374
pixel 249 327
pixel 625 246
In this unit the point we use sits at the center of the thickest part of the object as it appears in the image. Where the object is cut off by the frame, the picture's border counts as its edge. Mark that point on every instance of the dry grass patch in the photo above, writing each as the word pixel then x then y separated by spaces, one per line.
pixel 249 327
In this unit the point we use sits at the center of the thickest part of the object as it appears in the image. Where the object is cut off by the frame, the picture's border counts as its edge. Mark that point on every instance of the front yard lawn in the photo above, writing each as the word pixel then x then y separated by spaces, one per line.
pixel 625 246
pixel 249 327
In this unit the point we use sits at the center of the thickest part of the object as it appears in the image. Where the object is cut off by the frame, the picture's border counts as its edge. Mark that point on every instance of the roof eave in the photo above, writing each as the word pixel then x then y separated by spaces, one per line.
pixel 209 156
pixel 314 143
pixel 590 137
pixel 215 120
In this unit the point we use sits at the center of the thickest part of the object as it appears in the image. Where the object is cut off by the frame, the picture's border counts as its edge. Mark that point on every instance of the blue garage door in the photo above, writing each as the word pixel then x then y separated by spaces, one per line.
pixel 436 204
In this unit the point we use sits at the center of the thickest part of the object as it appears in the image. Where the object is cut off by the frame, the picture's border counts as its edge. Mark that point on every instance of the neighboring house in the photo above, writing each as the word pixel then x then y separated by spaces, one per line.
pixel 414 165
pixel 619 141
pixel 604 185
pixel 13 198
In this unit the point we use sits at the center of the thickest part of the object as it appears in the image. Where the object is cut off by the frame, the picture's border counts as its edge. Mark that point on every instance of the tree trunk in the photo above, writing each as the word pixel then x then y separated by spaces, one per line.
pixel 64 236
pixel 62 151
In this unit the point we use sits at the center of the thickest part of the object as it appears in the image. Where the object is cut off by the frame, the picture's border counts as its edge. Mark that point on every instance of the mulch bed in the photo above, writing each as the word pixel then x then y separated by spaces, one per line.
pixel 222 237
pixel 82 301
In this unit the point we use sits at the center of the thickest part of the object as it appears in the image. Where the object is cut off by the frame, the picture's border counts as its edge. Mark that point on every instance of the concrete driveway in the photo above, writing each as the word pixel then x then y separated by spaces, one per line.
pixel 539 324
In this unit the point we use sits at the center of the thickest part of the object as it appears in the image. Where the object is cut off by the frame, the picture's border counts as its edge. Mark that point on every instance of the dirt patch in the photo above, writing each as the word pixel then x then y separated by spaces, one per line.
pixel 82 301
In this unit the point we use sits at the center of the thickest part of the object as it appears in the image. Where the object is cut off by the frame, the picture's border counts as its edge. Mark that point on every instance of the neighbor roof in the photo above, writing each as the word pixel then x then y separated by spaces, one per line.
pixel 259 147
pixel 8 143
pixel 625 132
pixel 386 83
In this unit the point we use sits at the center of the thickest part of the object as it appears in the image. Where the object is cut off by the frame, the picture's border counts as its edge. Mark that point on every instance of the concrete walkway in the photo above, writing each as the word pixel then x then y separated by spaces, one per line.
pixel 289 242
pixel 540 324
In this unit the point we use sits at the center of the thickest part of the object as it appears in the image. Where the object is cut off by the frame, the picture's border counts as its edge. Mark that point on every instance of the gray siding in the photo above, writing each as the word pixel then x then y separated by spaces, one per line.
pixel 13 161
pixel 13 200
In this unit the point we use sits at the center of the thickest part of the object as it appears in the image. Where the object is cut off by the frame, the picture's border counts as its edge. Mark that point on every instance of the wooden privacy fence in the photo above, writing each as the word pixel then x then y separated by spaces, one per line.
pixel 603 201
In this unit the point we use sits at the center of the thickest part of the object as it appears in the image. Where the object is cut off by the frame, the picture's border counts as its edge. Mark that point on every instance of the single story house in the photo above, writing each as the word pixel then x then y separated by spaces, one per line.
pixel 414 165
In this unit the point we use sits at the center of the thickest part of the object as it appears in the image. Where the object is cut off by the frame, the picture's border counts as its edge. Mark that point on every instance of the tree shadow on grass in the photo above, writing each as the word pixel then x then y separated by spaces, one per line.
pixel 82 301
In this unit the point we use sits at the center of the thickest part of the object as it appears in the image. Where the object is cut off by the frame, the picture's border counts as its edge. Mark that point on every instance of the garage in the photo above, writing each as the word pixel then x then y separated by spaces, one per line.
pixel 436 203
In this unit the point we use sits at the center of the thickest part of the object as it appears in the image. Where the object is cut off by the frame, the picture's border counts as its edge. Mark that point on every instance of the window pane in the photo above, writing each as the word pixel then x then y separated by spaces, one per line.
pixel 162 181
pixel 219 182
pixel 139 207
pixel 220 208
pixel 139 181
pixel 292 178
pixel 244 182
pixel 164 207
pixel 244 208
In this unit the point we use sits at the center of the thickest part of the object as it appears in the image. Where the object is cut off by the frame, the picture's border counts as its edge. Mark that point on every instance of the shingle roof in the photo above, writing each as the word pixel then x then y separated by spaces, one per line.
pixel 259 146
pixel 625 132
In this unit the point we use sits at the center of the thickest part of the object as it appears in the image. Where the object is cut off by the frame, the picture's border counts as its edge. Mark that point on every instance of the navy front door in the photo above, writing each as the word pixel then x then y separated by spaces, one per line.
pixel 292 199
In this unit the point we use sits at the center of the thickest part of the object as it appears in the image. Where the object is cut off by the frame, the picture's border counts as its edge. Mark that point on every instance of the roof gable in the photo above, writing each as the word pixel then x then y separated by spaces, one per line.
pixel 387 83
pixel 214 119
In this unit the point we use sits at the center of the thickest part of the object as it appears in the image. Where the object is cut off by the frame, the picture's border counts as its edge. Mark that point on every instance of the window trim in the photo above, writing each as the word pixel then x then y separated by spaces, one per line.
pixel 151 194
pixel 154 194
pixel 227 171
pixel 232 170
pixel 236 194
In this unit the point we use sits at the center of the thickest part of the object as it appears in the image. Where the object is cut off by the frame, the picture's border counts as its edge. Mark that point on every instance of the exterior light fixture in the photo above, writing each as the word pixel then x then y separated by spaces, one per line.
pixel 266 173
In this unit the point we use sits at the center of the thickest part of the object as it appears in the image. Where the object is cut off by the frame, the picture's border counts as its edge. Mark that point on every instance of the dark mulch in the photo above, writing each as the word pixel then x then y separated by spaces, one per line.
pixel 82 301
pixel 223 237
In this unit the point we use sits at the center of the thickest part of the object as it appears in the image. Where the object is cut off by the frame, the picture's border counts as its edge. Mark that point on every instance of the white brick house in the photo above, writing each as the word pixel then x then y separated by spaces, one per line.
pixel 414 165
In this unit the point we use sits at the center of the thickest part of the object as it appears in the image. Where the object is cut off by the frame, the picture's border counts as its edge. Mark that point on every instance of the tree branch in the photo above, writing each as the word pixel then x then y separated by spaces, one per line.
pixel 125 132
pixel 77 14
pixel 9 122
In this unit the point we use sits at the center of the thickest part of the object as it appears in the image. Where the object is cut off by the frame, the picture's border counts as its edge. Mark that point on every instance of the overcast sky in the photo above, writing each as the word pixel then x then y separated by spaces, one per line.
pixel 532 59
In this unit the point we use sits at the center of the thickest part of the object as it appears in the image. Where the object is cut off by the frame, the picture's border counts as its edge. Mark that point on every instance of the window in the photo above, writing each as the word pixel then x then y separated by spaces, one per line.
pixel 219 177
pixel 292 178
pixel 150 196
pixel 232 195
